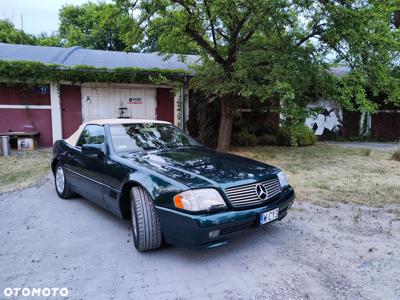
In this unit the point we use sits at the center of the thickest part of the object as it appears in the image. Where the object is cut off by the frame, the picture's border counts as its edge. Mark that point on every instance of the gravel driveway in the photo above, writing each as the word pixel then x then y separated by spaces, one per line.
pixel 317 252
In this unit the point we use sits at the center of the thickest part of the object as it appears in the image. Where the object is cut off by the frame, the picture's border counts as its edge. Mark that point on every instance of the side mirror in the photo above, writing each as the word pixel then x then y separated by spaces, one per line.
pixel 94 149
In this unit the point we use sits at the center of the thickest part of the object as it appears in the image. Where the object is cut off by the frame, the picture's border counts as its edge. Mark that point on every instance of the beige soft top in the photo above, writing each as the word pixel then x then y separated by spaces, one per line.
pixel 73 139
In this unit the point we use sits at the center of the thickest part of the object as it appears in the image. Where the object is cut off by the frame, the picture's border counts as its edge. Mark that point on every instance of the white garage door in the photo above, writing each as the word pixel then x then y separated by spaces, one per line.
pixel 100 102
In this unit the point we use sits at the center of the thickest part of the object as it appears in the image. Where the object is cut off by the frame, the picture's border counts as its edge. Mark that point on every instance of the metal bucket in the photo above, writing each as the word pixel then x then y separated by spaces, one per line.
pixel 4 145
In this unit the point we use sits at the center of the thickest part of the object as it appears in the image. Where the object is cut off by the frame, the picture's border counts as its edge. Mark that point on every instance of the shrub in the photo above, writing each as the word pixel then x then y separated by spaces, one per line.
pixel 306 137
pixel 268 139
pixel 283 136
pixel 396 155
pixel 244 138
pixel 298 136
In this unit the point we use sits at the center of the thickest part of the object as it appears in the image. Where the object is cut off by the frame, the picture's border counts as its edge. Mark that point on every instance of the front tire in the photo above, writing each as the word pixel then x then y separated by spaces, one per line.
pixel 62 187
pixel 145 225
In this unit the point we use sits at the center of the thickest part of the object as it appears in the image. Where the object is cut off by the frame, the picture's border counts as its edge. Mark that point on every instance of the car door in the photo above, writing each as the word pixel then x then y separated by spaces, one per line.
pixel 87 168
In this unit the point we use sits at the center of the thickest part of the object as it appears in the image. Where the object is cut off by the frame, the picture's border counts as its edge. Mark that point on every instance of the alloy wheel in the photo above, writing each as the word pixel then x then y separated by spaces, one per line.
pixel 60 180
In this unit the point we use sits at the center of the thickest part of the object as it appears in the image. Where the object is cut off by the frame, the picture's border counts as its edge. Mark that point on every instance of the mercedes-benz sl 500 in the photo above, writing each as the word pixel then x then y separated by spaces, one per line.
pixel 172 188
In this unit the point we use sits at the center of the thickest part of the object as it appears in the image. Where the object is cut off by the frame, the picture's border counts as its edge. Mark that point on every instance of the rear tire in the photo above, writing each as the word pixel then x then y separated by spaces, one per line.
pixel 61 184
pixel 145 225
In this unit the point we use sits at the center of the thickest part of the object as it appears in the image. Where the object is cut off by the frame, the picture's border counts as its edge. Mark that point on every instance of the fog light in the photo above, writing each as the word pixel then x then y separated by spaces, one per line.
pixel 213 234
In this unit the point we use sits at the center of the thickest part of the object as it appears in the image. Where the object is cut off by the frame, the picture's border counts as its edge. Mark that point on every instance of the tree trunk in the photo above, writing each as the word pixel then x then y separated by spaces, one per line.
pixel 225 124
pixel 396 19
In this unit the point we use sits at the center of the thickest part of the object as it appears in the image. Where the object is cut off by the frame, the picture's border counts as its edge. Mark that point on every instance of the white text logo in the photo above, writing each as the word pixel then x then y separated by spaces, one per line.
pixel 35 292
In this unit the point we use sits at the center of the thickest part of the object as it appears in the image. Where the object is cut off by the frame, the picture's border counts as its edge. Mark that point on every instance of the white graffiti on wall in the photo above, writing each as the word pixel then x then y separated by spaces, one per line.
pixel 329 120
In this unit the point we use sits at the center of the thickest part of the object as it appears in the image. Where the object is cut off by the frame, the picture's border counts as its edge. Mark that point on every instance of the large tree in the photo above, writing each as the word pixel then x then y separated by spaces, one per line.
pixel 279 50
pixel 96 25
pixel 12 35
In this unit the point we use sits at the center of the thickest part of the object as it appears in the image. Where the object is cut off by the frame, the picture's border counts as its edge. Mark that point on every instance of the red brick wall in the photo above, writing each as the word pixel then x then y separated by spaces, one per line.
pixel 165 105
pixel 24 95
pixel 28 120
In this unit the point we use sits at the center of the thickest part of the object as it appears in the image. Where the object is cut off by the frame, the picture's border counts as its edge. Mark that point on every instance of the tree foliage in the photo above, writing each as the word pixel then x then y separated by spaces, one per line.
pixel 100 25
pixel 271 50
pixel 280 49
pixel 53 40
pixel 96 25
pixel 10 34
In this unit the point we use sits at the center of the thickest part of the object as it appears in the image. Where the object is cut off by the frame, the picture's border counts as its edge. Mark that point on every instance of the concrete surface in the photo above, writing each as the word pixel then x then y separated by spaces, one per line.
pixel 317 252
pixel 366 145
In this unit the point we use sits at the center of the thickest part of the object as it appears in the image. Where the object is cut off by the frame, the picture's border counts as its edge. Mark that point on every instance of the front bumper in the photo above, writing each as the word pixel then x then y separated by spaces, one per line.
pixel 192 231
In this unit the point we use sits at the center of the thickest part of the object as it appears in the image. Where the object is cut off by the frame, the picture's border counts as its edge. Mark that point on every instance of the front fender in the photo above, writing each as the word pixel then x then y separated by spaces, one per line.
pixel 160 187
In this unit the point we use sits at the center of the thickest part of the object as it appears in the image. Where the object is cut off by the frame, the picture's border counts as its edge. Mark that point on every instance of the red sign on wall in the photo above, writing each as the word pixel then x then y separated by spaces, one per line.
pixel 135 100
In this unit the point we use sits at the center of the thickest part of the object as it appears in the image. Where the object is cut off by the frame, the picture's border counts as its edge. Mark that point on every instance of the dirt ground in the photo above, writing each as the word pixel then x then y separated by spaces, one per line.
pixel 319 251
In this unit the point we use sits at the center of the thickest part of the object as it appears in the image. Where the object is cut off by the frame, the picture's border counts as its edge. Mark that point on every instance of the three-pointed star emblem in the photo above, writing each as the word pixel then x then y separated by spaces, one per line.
pixel 261 192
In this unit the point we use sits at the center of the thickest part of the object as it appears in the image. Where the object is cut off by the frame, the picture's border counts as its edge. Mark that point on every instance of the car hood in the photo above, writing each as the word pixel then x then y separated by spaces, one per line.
pixel 200 167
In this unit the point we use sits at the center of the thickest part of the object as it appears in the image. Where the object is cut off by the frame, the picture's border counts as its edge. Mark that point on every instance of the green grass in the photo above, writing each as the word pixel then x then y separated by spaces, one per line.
pixel 23 168
pixel 334 173
pixel 318 173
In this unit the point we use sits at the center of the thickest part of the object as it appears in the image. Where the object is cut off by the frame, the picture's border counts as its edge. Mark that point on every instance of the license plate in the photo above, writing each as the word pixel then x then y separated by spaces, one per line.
pixel 269 216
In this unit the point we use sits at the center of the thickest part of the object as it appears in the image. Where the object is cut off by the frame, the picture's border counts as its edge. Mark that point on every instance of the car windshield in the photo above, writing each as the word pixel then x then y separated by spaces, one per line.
pixel 148 136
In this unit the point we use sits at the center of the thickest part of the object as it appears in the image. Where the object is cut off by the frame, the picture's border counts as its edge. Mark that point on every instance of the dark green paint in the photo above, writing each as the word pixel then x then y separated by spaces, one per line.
pixel 165 173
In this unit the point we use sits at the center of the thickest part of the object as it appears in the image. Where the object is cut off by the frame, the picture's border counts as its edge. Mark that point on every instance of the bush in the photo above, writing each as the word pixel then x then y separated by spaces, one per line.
pixel 299 136
pixel 244 138
pixel 249 129
pixel 396 155
pixel 268 139
pixel 283 136
pixel 306 137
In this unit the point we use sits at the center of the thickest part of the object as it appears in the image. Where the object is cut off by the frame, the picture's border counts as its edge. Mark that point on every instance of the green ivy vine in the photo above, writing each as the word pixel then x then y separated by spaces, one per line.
pixel 37 72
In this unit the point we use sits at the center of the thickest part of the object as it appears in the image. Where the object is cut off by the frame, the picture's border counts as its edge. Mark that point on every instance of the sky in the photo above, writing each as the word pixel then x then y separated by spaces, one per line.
pixel 37 15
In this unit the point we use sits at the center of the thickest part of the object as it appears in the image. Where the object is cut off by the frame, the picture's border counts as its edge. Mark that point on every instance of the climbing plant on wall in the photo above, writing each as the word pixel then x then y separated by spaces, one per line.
pixel 36 72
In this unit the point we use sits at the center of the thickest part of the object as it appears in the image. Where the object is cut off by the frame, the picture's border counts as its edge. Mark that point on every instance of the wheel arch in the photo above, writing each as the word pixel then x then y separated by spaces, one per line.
pixel 54 164
pixel 124 201
pixel 56 155
pixel 158 187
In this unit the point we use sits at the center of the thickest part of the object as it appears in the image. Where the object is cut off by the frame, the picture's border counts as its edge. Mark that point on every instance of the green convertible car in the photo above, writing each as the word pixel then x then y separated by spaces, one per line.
pixel 171 187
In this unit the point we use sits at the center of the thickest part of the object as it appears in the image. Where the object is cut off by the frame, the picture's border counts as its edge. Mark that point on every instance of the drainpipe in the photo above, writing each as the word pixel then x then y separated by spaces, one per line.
pixel 185 79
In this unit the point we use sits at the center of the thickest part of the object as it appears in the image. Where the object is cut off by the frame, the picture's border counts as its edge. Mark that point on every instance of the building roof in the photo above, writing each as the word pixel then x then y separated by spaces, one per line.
pixel 75 56
pixel 73 139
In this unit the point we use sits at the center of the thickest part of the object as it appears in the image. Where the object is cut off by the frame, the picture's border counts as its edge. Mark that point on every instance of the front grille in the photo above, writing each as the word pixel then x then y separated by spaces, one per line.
pixel 245 195
pixel 238 227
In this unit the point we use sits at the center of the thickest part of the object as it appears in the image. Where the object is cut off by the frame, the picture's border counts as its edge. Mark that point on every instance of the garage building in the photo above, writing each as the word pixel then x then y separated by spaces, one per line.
pixel 55 109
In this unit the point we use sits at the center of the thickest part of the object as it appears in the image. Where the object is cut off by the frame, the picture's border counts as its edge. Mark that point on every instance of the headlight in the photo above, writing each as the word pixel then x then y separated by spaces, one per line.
pixel 283 181
pixel 198 200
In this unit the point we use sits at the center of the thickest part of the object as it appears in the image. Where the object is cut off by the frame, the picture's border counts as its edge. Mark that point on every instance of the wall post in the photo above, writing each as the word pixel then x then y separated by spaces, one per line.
pixel 56 122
